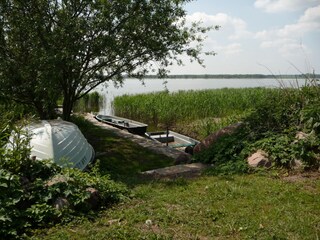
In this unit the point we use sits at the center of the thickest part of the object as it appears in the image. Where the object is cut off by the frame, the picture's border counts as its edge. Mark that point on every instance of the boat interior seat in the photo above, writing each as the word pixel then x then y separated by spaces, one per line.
pixel 165 139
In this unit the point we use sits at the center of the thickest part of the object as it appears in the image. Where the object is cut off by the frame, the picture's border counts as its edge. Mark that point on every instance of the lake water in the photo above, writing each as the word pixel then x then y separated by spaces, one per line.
pixel 134 86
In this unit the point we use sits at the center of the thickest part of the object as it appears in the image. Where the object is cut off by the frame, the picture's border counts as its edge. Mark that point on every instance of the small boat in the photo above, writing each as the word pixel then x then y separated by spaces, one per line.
pixel 133 127
pixel 173 139
pixel 58 140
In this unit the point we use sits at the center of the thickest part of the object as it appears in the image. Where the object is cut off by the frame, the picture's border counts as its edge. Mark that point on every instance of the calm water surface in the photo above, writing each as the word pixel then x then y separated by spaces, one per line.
pixel 134 86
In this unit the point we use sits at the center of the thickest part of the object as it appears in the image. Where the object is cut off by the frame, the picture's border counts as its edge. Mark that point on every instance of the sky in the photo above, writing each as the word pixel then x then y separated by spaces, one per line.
pixel 257 36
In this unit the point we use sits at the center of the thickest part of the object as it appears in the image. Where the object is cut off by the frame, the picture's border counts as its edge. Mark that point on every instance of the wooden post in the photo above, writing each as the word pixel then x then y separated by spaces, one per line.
pixel 167 139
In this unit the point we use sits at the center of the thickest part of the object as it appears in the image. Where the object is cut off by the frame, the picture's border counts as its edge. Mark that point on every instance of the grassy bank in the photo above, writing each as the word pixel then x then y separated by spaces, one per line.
pixel 122 159
pixel 256 206
pixel 240 207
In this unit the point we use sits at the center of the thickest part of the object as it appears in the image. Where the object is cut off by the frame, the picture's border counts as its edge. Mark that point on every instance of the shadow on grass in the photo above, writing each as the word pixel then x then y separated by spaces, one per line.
pixel 122 159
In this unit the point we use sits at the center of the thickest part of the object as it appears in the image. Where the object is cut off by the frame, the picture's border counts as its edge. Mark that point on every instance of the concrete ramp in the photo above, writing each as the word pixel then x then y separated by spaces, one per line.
pixel 184 170
pixel 142 141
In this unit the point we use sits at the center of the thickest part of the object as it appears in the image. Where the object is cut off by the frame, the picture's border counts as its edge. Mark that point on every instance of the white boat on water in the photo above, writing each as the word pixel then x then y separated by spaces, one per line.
pixel 58 140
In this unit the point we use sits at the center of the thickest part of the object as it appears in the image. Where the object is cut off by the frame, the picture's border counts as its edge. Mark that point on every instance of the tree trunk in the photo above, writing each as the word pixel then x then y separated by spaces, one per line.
pixel 45 112
pixel 67 108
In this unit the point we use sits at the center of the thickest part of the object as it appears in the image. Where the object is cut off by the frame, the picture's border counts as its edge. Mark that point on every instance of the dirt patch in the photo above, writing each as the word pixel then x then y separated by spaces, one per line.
pixel 303 176
pixel 173 172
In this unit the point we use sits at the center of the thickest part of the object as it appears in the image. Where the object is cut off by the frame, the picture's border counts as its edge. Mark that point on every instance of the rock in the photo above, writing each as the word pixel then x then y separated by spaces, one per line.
pixel 301 135
pixel 61 203
pixel 58 179
pixel 212 138
pixel 94 198
pixel 297 164
pixel 189 149
pixel 148 222
pixel 183 158
pixel 259 159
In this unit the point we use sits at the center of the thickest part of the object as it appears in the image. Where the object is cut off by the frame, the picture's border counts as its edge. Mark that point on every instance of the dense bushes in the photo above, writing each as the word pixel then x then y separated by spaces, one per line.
pixel 40 193
pixel 273 127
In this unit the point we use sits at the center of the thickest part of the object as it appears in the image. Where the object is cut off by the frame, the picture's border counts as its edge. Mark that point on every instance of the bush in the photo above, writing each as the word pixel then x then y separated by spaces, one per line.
pixel 227 154
pixel 30 189
pixel 272 127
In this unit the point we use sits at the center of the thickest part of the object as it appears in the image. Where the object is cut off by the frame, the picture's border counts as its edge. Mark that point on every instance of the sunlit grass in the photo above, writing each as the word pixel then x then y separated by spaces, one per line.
pixel 238 207
pixel 256 206
pixel 196 113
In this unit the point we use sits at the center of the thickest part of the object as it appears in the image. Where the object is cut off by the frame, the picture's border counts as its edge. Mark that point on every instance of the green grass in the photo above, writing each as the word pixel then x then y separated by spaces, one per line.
pixel 119 157
pixel 195 113
pixel 238 207
pixel 257 206
pixel 190 105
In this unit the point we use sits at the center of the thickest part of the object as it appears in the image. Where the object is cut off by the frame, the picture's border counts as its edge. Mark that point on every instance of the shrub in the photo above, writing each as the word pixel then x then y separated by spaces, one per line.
pixel 272 126
pixel 27 199
pixel 279 147
pixel 226 154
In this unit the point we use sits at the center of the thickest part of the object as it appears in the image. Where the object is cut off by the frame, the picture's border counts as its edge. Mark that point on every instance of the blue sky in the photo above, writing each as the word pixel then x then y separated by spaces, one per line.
pixel 258 36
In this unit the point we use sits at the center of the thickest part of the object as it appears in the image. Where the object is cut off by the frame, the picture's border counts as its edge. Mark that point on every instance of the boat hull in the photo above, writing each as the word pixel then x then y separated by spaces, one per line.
pixel 172 139
pixel 131 126
pixel 58 140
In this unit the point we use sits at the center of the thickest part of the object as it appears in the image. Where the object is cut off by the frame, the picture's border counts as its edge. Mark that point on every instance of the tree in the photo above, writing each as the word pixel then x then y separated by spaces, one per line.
pixel 27 73
pixel 75 45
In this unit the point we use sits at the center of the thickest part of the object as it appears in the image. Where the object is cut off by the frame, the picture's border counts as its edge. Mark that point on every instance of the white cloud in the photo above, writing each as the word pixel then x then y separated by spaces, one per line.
pixel 227 50
pixel 232 49
pixel 288 39
pixel 273 6
pixel 311 15
pixel 308 22
pixel 235 27
pixel 287 47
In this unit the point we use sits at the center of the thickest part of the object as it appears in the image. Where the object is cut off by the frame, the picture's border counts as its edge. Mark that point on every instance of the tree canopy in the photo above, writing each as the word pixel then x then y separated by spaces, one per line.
pixel 65 48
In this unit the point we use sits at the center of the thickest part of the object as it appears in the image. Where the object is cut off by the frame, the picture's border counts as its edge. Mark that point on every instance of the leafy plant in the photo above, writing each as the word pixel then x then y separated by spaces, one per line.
pixel 308 150
pixel 279 147
pixel 30 189
pixel 228 168
pixel 226 154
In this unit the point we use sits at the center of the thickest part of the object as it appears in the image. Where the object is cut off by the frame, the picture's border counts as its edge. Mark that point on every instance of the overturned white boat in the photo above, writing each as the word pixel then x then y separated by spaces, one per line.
pixel 61 141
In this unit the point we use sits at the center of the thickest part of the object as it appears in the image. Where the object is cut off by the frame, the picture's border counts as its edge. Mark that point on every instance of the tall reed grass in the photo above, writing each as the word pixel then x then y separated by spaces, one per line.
pixel 166 107
pixel 89 103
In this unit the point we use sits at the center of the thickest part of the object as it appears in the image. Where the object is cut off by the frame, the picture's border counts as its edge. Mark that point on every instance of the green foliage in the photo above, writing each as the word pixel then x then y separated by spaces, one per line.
pixel 228 168
pixel 50 49
pixel 207 126
pixel 30 189
pixel 187 106
pixel 89 103
pixel 272 126
pixel 277 113
pixel 226 148
pixel 226 154
pixel 255 206
pixel 280 148
pixel 309 151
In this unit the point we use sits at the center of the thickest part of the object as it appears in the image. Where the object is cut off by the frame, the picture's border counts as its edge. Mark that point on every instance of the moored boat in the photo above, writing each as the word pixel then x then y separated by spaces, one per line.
pixel 173 139
pixel 133 127
pixel 58 140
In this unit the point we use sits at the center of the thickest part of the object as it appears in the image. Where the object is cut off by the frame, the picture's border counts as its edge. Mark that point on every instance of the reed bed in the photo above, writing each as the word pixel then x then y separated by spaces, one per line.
pixel 89 103
pixel 169 108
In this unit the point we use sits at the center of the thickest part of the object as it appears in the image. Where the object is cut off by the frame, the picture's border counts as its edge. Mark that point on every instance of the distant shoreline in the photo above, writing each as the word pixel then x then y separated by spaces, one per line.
pixel 241 76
